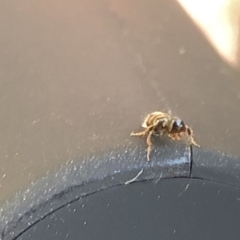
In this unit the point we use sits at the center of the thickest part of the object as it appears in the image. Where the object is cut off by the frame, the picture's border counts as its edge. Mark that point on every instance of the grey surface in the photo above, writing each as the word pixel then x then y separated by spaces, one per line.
pixel 216 166
pixel 76 77
pixel 170 209
pixel 81 179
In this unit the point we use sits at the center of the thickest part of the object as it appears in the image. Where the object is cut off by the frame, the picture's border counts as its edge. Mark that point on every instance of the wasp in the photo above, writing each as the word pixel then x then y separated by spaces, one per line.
pixel 164 124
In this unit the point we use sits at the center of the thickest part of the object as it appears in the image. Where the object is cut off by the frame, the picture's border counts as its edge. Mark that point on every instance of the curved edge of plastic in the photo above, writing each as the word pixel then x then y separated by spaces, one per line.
pixel 94 173
pixel 216 166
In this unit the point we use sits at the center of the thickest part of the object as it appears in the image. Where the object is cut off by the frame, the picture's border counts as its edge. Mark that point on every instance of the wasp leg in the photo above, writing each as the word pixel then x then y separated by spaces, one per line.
pixel 149 143
pixel 193 142
pixel 190 137
pixel 179 136
pixel 143 133
pixel 172 136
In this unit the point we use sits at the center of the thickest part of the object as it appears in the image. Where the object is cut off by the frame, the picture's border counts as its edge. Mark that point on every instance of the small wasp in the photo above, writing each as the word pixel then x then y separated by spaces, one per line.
pixel 163 124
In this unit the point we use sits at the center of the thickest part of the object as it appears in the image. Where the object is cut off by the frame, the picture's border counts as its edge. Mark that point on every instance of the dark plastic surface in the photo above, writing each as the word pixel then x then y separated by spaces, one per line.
pixel 79 180
pixel 56 204
pixel 218 167
pixel 169 209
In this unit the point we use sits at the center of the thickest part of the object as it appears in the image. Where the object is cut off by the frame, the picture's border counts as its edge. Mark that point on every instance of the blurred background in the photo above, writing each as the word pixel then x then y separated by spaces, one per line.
pixel 67 65
pixel 219 21
pixel 76 77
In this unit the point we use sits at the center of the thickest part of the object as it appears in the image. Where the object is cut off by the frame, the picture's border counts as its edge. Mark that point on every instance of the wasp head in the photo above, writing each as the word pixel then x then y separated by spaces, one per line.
pixel 177 126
